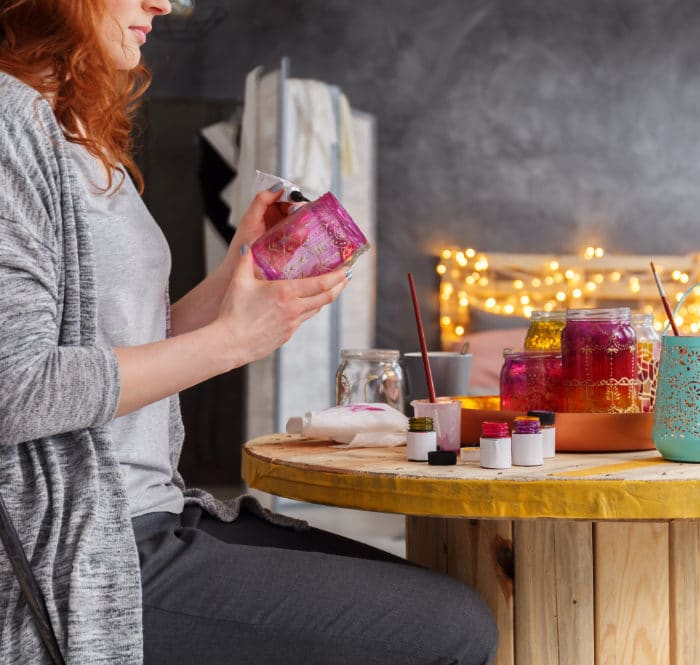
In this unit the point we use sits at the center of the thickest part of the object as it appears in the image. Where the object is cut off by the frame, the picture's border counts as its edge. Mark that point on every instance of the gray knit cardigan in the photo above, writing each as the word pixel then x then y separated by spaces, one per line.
pixel 59 474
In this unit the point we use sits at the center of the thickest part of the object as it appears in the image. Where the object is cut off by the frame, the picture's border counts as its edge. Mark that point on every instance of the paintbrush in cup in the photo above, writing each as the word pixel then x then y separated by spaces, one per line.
pixel 421 337
pixel 664 300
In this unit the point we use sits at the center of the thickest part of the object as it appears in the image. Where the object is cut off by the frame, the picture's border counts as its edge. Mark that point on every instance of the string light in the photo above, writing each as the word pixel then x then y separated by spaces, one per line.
pixel 517 285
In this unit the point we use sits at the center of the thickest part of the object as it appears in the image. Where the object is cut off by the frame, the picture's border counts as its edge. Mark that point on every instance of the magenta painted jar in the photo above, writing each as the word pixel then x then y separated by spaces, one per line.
pixel 599 360
pixel 531 380
pixel 316 239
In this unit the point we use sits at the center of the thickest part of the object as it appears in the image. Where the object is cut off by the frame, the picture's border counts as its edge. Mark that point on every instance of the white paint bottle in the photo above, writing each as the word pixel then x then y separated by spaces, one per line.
pixel 527 442
pixel 549 444
pixel 495 446
pixel 420 439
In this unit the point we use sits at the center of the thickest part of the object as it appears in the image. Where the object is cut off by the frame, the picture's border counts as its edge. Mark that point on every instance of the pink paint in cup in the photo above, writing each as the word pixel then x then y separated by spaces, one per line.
pixel 316 239
pixel 447 420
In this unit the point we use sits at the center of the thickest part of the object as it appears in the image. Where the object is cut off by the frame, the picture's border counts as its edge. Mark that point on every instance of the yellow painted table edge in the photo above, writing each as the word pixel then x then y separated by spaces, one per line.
pixel 476 498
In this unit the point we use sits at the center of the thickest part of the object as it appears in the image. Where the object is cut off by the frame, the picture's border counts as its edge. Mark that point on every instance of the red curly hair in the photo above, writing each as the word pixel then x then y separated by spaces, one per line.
pixel 54 46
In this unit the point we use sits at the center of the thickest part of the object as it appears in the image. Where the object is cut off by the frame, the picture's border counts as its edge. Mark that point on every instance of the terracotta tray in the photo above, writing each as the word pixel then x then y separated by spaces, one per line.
pixel 576 432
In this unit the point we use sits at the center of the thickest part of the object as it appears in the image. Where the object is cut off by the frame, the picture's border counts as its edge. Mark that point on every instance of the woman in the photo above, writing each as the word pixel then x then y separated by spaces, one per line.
pixel 134 568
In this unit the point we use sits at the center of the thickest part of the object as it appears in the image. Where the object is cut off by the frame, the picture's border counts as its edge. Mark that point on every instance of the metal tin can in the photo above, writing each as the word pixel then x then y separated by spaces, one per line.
pixel 370 375
pixel 531 380
pixel 544 333
pixel 599 361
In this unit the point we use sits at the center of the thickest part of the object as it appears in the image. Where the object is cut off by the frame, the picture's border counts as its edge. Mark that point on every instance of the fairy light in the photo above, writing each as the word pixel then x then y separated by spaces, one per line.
pixel 472 280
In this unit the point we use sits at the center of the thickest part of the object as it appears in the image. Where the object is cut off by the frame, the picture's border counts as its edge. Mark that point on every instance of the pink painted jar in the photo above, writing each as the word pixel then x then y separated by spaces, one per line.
pixel 531 380
pixel 316 239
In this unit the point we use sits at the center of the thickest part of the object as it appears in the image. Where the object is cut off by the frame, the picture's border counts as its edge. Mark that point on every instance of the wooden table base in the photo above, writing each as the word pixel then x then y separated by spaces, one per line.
pixel 570 592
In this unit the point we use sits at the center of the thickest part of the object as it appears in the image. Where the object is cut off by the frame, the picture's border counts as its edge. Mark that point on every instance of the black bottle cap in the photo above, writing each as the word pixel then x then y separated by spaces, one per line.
pixel 442 457
pixel 546 417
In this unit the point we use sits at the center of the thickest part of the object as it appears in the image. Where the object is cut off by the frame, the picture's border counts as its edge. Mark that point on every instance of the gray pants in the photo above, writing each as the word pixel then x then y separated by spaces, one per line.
pixel 252 593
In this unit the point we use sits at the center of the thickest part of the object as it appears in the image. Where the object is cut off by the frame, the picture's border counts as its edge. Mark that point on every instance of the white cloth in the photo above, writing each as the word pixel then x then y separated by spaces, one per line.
pixel 312 133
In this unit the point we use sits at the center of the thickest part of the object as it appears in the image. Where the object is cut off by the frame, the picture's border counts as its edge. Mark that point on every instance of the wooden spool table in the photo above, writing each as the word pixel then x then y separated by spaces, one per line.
pixel 591 559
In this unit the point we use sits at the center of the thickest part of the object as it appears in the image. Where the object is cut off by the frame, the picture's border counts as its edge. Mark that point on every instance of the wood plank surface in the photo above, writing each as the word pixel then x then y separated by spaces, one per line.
pixel 595 486
pixel 480 552
pixel 305 452
pixel 426 542
pixel 684 553
pixel 535 593
pixel 573 559
pixel 632 593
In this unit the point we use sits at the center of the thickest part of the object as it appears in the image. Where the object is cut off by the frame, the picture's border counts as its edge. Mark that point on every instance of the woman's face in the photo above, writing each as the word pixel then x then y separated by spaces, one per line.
pixel 126 26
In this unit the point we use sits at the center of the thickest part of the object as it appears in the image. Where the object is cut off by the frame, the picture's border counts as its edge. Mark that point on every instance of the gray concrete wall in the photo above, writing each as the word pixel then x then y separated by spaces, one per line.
pixel 512 125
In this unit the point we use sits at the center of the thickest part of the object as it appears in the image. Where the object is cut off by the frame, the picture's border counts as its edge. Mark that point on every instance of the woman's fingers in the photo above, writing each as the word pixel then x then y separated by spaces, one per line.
pixel 305 287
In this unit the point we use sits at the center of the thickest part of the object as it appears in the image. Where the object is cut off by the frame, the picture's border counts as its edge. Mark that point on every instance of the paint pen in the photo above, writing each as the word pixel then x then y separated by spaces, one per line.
pixel 290 192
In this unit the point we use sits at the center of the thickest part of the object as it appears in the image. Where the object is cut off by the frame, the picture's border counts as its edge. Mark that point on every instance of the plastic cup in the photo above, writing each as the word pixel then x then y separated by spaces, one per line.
pixel 447 420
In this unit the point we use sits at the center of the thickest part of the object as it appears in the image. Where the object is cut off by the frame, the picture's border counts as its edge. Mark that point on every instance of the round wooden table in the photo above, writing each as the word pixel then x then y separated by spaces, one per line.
pixel 591 559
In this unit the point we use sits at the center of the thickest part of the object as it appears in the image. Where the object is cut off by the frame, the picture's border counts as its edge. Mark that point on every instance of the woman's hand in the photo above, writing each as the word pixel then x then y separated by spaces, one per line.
pixel 263 213
pixel 257 316
pixel 201 305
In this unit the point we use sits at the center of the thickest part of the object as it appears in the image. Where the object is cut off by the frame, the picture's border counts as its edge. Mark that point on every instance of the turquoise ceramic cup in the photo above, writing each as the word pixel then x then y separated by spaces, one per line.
pixel 676 431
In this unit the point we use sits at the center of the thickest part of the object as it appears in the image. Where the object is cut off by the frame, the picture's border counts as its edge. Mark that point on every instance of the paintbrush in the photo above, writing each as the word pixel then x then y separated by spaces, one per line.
pixel 664 300
pixel 421 339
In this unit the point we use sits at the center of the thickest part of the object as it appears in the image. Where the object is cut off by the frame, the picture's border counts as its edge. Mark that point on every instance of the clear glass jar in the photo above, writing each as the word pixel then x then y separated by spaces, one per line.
pixel 599 361
pixel 531 380
pixel 544 333
pixel 648 351
pixel 370 375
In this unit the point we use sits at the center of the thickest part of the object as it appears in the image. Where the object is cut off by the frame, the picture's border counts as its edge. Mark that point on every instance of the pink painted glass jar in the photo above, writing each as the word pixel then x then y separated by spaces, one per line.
pixel 599 359
pixel 531 380
pixel 316 239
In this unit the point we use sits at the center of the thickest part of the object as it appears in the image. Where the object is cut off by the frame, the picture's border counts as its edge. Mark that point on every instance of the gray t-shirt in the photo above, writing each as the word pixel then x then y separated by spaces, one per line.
pixel 133 263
